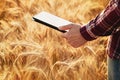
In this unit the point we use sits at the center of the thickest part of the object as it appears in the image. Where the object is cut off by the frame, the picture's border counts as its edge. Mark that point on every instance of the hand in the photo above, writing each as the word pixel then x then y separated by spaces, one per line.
pixel 73 35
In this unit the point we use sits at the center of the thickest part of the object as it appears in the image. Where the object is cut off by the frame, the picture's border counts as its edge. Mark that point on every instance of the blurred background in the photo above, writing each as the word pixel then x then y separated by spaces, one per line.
pixel 31 51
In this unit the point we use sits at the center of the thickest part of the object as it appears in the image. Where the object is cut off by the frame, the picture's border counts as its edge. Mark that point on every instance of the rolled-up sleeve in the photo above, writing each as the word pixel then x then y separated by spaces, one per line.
pixel 104 23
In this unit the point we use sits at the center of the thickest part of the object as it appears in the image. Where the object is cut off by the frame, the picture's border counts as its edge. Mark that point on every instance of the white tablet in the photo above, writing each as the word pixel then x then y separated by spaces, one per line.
pixel 51 20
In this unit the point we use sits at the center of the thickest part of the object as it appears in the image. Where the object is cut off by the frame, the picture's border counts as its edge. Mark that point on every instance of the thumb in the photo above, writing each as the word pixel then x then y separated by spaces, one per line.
pixel 66 27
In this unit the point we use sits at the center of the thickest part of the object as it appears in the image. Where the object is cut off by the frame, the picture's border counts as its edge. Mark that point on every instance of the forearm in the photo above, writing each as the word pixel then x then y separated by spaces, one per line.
pixel 103 24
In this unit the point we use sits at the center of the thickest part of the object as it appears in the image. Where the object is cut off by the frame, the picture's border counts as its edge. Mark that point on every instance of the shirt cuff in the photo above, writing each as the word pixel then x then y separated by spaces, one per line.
pixel 85 33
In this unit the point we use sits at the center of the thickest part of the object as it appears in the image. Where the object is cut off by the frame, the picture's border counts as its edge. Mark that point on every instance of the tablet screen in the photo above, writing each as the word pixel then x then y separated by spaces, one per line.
pixel 50 20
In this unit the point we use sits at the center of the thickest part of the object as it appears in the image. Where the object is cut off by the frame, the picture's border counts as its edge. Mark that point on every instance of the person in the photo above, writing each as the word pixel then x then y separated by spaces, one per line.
pixel 105 24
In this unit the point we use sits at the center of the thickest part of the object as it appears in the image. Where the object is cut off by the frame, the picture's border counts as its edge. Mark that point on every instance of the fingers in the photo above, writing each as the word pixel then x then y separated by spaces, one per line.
pixel 66 35
pixel 72 36
pixel 66 27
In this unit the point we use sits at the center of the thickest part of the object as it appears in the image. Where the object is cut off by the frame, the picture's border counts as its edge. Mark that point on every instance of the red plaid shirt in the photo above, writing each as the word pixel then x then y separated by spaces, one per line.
pixel 105 24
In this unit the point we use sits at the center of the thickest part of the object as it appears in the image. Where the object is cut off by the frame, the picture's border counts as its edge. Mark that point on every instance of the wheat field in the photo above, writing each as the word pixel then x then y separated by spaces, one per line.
pixel 31 51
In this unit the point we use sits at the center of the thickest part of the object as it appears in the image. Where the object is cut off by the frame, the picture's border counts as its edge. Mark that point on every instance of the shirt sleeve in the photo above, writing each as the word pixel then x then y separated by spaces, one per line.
pixel 104 23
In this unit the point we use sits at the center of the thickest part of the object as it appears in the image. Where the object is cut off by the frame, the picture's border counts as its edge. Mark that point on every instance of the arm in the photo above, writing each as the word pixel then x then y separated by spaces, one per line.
pixel 103 24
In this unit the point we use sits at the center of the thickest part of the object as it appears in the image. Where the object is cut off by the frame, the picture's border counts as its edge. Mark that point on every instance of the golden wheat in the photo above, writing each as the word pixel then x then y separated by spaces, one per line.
pixel 31 51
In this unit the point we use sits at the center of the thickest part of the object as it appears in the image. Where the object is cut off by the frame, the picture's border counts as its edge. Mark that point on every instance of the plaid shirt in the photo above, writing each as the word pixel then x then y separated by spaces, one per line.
pixel 105 24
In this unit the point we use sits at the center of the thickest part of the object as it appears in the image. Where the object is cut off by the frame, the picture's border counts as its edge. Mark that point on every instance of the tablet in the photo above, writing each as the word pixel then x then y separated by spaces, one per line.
pixel 51 20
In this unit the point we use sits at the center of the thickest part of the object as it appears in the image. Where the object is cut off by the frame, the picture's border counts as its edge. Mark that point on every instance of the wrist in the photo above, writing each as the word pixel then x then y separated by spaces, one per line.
pixel 85 34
